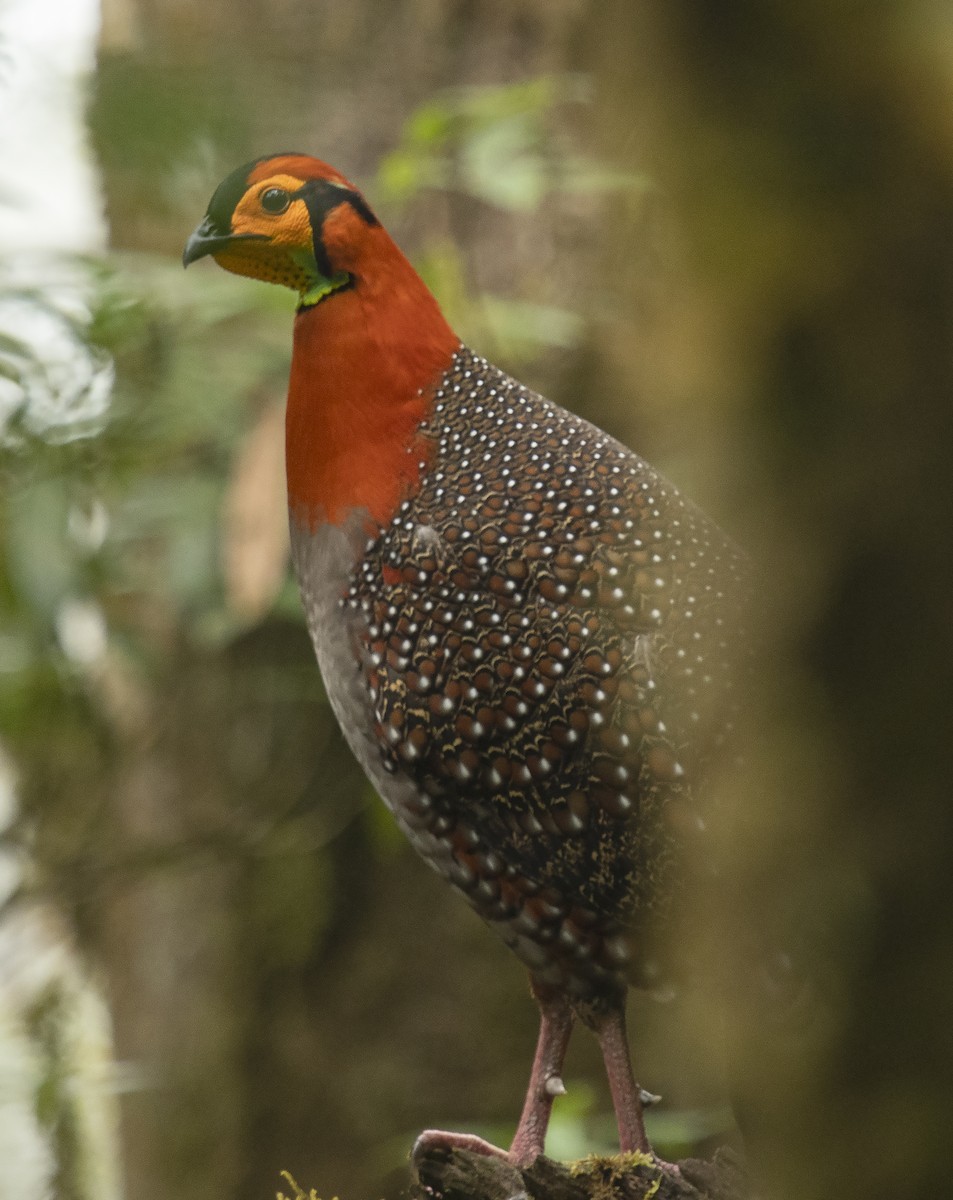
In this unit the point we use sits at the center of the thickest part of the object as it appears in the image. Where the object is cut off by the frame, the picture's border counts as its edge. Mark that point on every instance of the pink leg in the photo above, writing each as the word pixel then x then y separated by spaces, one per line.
pixel 626 1094
pixel 545 1083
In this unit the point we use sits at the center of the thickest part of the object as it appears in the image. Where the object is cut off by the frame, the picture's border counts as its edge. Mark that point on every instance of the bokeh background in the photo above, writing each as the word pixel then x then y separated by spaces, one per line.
pixel 725 233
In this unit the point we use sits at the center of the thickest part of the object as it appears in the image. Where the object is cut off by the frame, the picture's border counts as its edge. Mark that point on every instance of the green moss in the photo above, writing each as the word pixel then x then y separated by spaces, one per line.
pixel 612 1176
pixel 297 1193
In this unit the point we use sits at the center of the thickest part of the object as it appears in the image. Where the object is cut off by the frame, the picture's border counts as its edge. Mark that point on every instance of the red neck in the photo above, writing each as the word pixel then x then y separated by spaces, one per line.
pixel 365 363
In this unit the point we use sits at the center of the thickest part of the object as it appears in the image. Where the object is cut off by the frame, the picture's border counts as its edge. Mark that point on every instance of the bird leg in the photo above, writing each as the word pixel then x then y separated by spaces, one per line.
pixel 545 1084
pixel 626 1093
pixel 545 1081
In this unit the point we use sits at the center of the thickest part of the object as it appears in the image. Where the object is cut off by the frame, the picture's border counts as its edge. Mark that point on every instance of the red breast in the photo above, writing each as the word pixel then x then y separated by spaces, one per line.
pixel 362 378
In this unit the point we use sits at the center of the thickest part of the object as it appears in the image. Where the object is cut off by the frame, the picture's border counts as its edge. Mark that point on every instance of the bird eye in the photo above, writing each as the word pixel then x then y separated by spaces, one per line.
pixel 274 200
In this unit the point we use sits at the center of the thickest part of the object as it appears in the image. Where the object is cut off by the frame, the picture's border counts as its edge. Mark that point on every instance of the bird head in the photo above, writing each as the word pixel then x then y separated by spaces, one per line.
pixel 287 219
pixel 370 342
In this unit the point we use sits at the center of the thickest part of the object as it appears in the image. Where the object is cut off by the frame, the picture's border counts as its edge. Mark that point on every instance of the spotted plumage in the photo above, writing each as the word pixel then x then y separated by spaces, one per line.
pixel 527 635
pixel 541 635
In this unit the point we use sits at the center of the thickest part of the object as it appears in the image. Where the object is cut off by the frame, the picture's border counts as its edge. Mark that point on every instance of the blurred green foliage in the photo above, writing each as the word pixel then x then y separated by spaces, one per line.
pixel 496 143
pixel 503 146
pixel 128 510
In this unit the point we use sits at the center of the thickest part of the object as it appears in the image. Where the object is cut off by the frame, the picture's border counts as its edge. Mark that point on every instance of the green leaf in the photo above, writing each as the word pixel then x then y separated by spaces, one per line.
pixel 502 165
pixel 431 124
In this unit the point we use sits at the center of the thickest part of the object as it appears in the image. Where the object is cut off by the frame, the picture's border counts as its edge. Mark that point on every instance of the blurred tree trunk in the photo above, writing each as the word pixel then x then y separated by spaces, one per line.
pixel 807 151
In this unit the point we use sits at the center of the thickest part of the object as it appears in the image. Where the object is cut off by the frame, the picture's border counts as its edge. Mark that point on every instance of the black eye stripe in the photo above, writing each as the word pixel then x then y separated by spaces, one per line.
pixel 322 197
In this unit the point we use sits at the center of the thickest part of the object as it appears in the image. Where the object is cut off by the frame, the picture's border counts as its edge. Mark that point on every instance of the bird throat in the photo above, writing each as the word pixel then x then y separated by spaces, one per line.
pixel 314 285
pixel 367 359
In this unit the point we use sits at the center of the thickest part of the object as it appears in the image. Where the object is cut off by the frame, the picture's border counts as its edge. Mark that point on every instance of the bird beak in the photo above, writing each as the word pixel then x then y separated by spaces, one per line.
pixel 207 239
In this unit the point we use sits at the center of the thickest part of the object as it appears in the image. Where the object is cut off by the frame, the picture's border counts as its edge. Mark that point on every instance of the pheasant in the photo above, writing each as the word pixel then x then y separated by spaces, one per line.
pixel 525 631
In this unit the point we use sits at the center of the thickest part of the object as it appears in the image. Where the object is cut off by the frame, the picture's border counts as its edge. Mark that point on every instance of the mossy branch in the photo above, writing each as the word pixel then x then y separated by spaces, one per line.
pixel 461 1175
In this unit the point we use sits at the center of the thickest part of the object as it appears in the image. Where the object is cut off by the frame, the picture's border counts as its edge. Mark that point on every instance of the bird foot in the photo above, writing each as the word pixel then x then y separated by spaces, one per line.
pixel 667 1168
pixel 441 1139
